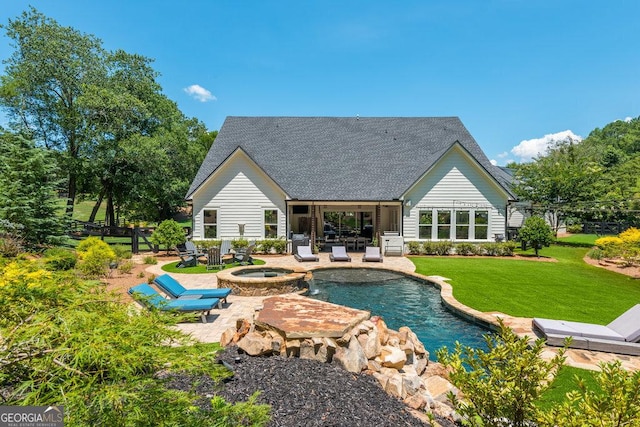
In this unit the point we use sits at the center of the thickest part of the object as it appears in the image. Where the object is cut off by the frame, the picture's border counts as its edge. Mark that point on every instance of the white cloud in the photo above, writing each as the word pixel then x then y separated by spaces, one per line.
pixel 493 162
pixel 628 119
pixel 530 148
pixel 200 93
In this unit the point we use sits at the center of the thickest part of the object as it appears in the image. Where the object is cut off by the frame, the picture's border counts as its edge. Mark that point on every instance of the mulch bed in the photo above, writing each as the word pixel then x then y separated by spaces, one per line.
pixel 304 392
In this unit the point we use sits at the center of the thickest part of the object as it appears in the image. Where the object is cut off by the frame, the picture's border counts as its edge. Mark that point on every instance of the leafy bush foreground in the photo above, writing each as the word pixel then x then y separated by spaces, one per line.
pixel 69 342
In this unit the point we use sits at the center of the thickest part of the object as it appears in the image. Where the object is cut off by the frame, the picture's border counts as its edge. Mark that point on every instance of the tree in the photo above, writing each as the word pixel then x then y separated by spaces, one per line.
pixel 558 183
pixel 536 233
pixel 92 107
pixel 169 233
pixel 501 385
pixel 45 76
pixel 28 200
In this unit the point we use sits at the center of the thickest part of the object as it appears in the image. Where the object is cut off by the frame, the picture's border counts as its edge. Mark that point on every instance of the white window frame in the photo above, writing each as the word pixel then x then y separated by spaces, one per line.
pixel 471 225
pixel 205 224
pixel 265 223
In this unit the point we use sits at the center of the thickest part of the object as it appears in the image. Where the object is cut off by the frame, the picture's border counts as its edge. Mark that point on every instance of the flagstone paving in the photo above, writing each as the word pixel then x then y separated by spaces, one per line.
pixel 241 307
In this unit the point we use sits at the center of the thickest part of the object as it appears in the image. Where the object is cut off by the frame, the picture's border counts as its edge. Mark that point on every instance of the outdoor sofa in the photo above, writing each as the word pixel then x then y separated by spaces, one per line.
pixel 150 297
pixel 304 254
pixel 622 335
pixel 174 289
pixel 339 253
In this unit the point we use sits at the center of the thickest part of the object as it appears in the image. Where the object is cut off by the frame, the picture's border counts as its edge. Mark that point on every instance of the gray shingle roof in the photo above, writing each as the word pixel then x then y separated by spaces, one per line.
pixel 342 158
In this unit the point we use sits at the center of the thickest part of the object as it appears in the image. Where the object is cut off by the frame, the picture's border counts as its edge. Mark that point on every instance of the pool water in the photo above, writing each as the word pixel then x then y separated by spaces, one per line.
pixel 400 301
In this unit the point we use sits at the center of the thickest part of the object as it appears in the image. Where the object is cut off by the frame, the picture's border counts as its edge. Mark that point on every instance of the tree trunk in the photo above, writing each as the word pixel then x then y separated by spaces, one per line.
pixel 110 214
pixel 71 196
pixel 94 211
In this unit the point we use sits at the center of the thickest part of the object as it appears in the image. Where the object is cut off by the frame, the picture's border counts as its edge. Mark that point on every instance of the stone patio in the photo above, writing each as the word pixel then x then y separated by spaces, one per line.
pixel 239 307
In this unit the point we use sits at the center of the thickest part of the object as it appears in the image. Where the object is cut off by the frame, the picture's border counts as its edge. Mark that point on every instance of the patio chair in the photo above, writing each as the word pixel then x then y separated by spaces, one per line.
pixel 148 296
pixel 304 254
pixel 622 335
pixel 213 259
pixel 339 253
pixel 187 261
pixel 225 252
pixel 244 257
pixel 372 254
pixel 189 254
pixel 174 289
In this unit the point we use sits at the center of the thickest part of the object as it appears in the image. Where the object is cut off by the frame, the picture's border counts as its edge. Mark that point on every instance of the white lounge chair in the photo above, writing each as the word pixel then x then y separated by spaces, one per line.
pixel 305 254
pixel 339 253
pixel 620 336
pixel 372 253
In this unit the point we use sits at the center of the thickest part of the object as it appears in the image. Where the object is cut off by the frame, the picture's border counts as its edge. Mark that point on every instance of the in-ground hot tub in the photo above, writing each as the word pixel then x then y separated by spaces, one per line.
pixel 258 280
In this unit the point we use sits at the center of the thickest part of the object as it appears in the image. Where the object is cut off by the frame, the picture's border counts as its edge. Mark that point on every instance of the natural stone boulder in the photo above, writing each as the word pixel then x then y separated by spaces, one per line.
pixel 255 344
pixel 394 386
pixel 351 357
pixel 392 357
pixel 370 343
pixel 293 348
pixel 411 384
pixel 227 336
pixel 383 331
pixel 438 388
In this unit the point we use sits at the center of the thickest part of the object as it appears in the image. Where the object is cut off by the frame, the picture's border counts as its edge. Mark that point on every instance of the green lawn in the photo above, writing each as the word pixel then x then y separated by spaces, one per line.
pixel 567 289
pixel 200 268
pixel 580 239
pixel 563 383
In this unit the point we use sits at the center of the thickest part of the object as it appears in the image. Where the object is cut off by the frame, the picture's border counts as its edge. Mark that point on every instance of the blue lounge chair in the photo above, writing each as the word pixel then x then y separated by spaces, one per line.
pixel 339 253
pixel 174 289
pixel 150 297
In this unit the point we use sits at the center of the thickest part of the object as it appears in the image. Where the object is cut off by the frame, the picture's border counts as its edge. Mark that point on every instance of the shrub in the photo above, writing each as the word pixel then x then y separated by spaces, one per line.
pixel 608 241
pixel 266 245
pixel 125 267
pixel 168 234
pixel 280 246
pixel 477 250
pixel 429 247
pixel 58 259
pixel 239 243
pixel 11 246
pixel 614 401
pixel 500 385
pixel 208 244
pixel 574 228
pixel 507 248
pixel 95 256
pixel 464 249
pixel 150 260
pixel 414 248
pixel 443 247
pixel 122 252
pixel 76 337
pixel 630 236
pixel 491 249
pixel 596 253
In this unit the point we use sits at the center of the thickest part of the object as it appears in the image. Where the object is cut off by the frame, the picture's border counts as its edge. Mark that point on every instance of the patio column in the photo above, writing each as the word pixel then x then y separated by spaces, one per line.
pixel 313 226
pixel 377 227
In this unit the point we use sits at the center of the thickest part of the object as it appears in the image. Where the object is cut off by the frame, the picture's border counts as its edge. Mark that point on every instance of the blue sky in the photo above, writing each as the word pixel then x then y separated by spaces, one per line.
pixel 513 71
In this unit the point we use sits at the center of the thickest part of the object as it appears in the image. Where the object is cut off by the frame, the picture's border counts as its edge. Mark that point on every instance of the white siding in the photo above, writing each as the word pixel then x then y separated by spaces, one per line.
pixel 240 192
pixel 456 183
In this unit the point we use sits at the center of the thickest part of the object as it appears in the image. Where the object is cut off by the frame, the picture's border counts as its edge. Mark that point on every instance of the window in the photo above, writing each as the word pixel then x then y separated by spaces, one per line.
pixel 481 224
pixel 444 225
pixel 462 225
pixel 270 223
pixel 210 220
pixel 425 224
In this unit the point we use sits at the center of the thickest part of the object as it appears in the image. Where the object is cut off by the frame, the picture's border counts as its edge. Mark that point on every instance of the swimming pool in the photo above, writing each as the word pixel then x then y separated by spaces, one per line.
pixel 400 301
